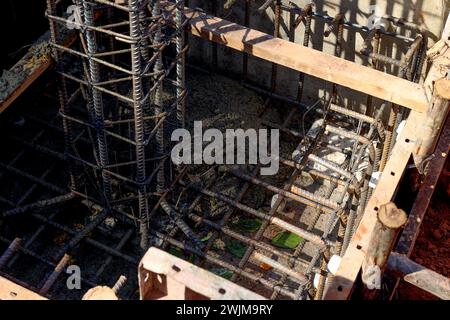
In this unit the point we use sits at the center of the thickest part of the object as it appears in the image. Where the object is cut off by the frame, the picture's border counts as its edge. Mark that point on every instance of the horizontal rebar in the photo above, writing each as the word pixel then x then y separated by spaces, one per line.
pixel 30 177
pixel 41 204
pixel 12 248
pixel 249 241
pixel 276 265
pixel 298 195
pixel 259 214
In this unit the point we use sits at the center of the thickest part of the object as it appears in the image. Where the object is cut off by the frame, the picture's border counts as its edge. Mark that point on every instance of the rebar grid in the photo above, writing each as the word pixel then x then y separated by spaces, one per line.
pixel 28 249
pixel 116 136
pixel 337 213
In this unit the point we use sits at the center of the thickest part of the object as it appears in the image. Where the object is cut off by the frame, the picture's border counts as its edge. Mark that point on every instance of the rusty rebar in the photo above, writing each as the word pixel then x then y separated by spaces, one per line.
pixel 10 251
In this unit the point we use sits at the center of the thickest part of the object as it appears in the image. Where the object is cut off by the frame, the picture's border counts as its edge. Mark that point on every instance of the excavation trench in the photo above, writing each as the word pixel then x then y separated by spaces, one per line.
pixel 97 144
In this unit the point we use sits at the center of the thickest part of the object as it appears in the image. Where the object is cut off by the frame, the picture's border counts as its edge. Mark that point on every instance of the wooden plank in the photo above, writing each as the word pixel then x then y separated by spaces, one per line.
pixel 411 231
pixel 313 62
pixel 404 149
pixel 35 62
pixel 419 276
pixel 16 91
pixel 384 192
pixel 163 276
pixel 32 65
pixel 11 291
pixel 446 31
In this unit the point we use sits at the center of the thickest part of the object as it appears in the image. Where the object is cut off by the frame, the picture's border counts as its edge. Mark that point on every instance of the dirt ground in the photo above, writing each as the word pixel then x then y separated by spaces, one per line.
pixel 432 249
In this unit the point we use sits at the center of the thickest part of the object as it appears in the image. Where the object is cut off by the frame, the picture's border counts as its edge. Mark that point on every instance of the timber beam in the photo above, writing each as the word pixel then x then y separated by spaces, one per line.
pixel 12 291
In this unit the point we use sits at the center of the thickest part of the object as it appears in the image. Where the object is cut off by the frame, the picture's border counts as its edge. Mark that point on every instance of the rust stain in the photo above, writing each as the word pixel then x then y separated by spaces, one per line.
pixel 361 231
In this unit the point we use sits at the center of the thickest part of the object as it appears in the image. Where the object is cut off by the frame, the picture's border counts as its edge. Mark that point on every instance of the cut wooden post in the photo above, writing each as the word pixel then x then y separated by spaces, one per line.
pixel 437 90
pixel 390 220
pixel 12 291
pixel 100 293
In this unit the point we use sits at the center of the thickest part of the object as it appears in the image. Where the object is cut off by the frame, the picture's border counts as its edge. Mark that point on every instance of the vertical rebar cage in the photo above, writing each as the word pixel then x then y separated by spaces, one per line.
pixel 117 70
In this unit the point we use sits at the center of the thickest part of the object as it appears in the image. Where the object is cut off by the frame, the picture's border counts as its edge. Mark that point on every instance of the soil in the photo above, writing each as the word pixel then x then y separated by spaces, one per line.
pixel 432 249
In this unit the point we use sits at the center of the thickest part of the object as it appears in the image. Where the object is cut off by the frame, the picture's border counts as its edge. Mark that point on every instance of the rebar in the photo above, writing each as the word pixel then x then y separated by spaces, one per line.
pixel 12 248
pixel 181 63
pixel 62 91
pixel 139 114
pixel 119 284
pixel 123 106
pixel 305 15
pixel 54 275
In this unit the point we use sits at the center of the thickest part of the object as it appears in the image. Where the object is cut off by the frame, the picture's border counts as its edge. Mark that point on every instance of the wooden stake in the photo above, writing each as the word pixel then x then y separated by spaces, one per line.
pixel 431 129
pixel 390 220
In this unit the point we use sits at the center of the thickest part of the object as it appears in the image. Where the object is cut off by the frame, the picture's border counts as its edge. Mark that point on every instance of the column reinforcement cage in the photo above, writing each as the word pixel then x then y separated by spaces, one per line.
pixel 119 47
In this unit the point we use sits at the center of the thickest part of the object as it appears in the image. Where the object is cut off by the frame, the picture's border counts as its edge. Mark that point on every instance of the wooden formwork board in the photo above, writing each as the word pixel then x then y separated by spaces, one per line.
pixel 33 64
pixel 419 136
pixel 283 52
pixel 12 291
pixel 348 271
pixel 163 276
